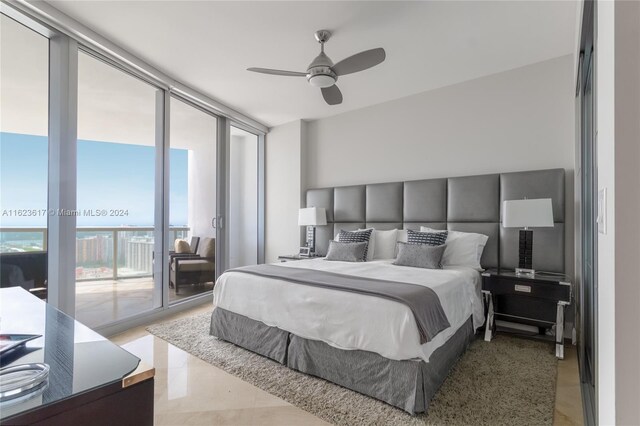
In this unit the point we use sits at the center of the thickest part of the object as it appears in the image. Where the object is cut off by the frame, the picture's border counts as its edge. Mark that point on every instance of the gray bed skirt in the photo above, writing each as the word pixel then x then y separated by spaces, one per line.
pixel 408 384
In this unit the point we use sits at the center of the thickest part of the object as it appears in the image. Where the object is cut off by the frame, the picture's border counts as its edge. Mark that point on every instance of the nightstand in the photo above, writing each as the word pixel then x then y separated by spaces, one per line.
pixel 292 257
pixel 539 300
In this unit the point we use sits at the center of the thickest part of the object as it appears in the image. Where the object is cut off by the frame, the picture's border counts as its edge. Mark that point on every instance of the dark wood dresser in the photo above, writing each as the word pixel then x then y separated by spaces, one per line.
pixel 92 381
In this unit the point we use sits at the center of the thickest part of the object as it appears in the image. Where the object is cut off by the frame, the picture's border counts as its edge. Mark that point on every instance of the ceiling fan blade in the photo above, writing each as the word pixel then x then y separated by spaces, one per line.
pixel 360 61
pixel 278 72
pixel 332 95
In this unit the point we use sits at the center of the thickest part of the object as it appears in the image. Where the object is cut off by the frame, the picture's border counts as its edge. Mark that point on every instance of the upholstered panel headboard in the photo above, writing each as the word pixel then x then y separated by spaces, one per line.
pixel 469 204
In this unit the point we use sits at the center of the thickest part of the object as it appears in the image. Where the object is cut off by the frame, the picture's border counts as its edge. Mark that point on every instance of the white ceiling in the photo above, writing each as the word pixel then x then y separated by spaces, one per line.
pixel 208 45
pixel 112 105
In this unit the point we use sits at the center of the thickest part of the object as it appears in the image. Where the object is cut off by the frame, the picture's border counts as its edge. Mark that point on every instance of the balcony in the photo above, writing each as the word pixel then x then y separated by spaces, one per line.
pixel 114 268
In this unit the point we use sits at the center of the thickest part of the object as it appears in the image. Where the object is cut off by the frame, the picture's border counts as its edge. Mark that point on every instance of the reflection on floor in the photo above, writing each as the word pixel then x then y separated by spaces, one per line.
pixel 101 302
pixel 189 391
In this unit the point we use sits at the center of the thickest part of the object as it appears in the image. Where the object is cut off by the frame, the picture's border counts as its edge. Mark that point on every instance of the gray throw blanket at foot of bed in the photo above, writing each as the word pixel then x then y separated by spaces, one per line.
pixel 422 301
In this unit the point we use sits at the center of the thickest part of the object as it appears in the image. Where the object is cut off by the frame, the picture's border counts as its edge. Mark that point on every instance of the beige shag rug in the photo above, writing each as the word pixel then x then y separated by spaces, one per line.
pixel 509 381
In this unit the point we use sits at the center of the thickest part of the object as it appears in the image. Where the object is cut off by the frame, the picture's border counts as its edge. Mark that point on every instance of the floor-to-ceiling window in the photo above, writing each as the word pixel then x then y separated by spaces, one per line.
pixel 192 200
pixel 24 96
pixel 141 160
pixel 116 168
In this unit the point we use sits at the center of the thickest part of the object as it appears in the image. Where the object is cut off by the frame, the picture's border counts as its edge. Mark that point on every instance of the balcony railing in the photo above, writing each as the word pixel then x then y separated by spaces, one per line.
pixel 102 253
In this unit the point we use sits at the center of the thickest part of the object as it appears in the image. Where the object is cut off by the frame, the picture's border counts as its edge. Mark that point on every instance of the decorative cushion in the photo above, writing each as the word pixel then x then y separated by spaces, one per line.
pixel 347 252
pixel 371 248
pixel 195 265
pixel 463 248
pixel 419 255
pixel 357 237
pixel 207 248
pixel 385 244
pixel 429 238
pixel 182 246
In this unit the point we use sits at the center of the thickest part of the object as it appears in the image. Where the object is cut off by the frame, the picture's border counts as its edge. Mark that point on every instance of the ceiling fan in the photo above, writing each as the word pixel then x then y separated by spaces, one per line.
pixel 322 72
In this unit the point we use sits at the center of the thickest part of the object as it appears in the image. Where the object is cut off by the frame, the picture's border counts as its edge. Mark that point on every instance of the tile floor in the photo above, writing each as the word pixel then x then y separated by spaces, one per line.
pixel 568 410
pixel 190 391
pixel 104 301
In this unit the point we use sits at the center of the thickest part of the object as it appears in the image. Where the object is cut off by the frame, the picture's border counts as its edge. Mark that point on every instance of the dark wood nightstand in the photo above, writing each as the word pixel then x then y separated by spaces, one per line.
pixel 538 301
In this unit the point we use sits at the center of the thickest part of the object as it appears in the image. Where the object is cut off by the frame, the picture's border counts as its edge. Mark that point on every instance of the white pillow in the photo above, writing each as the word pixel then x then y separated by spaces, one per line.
pixel 463 248
pixel 385 245
pixel 401 237
pixel 372 242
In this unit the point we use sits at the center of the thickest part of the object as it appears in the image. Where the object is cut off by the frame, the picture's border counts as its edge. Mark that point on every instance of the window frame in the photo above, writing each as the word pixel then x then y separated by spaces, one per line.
pixel 66 38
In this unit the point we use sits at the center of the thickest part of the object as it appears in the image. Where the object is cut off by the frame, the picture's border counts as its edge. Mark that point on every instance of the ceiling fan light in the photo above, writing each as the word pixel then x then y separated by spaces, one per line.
pixel 321 80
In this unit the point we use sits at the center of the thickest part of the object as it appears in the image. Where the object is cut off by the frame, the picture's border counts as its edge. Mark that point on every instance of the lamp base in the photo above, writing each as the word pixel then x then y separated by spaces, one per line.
pixel 311 239
pixel 525 250
pixel 524 272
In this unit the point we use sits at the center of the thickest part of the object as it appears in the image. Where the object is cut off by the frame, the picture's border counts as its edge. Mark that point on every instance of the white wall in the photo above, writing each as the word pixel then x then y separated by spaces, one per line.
pixel 521 119
pixel 243 203
pixel 201 192
pixel 284 184
pixel 195 131
pixel 627 211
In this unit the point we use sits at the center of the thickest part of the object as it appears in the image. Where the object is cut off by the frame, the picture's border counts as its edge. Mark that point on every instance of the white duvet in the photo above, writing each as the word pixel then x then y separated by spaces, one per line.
pixel 348 320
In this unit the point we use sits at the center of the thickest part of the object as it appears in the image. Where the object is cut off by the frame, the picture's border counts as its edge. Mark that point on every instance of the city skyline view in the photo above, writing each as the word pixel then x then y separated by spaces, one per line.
pixel 112 177
pixel 106 175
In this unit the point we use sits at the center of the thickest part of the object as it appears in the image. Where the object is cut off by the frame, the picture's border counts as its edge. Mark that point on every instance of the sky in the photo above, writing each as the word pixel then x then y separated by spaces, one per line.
pixel 111 176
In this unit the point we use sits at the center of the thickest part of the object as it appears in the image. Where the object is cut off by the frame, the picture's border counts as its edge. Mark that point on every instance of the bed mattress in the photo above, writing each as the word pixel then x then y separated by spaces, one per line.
pixel 352 321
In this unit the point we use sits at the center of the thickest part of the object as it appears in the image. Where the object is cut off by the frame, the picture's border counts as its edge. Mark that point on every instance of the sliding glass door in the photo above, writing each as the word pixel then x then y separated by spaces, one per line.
pixel 588 232
pixel 192 201
pixel 24 152
pixel 116 169
pixel 158 187
pixel 587 296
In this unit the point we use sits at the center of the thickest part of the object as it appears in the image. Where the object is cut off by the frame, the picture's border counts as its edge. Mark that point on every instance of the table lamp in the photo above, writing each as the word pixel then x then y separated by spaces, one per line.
pixel 312 217
pixel 527 214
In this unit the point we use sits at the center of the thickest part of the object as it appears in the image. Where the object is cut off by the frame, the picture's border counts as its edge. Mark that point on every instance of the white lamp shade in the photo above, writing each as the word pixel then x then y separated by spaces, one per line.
pixel 312 216
pixel 527 213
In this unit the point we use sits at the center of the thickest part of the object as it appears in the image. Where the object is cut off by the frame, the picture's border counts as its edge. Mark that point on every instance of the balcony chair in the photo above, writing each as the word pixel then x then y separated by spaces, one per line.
pixel 183 249
pixel 194 268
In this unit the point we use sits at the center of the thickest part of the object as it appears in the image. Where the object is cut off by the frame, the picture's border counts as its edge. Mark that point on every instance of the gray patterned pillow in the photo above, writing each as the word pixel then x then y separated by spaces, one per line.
pixel 356 237
pixel 432 238
pixel 420 255
pixel 346 252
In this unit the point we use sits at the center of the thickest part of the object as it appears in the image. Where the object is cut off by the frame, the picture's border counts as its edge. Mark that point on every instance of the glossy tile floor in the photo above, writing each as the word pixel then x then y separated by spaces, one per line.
pixel 568 409
pixel 189 391
pixel 103 301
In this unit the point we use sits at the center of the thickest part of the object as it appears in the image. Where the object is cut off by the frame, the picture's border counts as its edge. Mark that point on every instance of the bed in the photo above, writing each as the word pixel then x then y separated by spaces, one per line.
pixel 371 344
